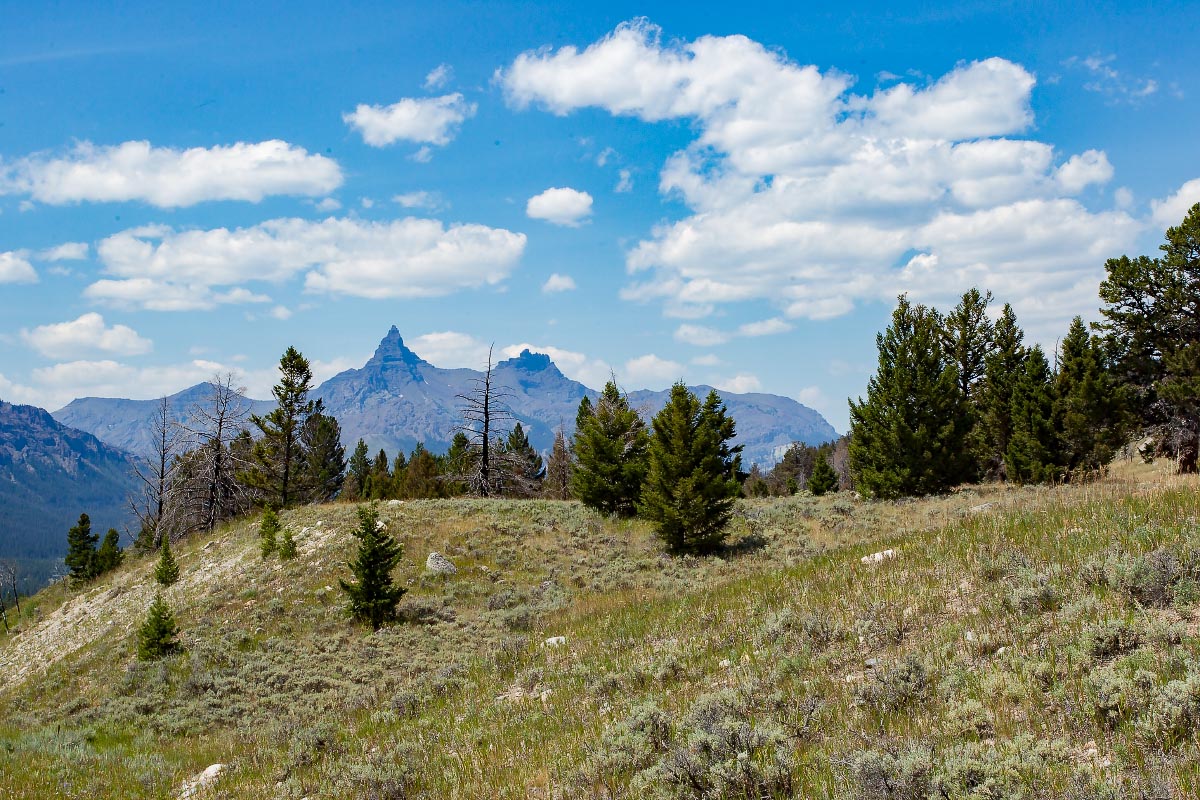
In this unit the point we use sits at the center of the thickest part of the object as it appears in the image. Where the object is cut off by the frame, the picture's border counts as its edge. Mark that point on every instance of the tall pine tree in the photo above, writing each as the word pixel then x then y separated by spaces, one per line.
pixel 610 453
pixel 908 437
pixel 373 595
pixel 1033 454
pixel 1087 405
pixel 81 550
pixel 693 476
pixel 279 453
pixel 359 468
pixel 323 470
pixel 557 485
pixel 1153 324
pixel 1002 369
pixel 524 467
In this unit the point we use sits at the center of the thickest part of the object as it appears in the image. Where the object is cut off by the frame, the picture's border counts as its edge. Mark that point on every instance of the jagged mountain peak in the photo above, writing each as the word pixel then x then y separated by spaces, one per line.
pixel 529 361
pixel 392 351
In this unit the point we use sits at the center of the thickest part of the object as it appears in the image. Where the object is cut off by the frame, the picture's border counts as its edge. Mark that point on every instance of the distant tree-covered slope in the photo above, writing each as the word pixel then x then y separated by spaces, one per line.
pixel 49 473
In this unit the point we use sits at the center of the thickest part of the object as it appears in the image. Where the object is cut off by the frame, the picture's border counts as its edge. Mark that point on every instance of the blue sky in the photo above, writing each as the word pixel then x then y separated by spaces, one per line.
pixel 729 195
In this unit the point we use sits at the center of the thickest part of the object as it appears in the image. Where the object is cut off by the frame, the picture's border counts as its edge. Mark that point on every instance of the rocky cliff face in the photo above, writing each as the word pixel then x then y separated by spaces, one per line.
pixel 49 474
pixel 398 399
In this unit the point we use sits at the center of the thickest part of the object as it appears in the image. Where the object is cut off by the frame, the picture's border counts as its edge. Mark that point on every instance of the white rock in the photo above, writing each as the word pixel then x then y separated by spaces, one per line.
pixel 726 663
pixel 876 558
pixel 202 782
pixel 981 508
pixel 379 525
pixel 555 641
pixel 440 565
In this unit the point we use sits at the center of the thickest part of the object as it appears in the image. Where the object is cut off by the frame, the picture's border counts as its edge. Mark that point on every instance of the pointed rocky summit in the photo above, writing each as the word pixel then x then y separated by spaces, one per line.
pixel 392 354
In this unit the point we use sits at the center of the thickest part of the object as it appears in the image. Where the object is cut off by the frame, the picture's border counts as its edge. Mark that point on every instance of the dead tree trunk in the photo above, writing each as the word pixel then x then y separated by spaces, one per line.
pixel 485 412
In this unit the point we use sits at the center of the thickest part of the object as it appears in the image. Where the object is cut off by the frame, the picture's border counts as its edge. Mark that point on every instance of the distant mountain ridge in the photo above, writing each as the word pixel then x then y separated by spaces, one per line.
pixel 398 399
pixel 49 474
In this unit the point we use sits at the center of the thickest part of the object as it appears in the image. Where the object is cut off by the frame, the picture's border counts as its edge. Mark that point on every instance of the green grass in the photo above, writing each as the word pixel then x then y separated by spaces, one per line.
pixel 1030 650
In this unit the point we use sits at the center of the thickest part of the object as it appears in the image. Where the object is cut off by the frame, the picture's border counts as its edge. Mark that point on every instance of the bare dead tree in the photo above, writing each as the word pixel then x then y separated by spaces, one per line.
pixel 8 580
pixel 154 505
pixel 485 414
pixel 9 575
pixel 208 477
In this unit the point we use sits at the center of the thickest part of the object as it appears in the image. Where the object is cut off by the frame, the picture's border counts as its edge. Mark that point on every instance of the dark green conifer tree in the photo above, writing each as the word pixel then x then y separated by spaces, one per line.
pixel 110 555
pixel 81 550
pixel 268 532
pixel 823 478
pixel 279 454
pixel 1087 404
pixel 287 545
pixel 557 485
pixel 1033 454
pixel 1003 367
pixel 373 595
pixel 457 465
pixel 523 465
pixel 359 469
pixel 323 471
pixel 1153 330
pixel 166 571
pixel 157 634
pixel 967 335
pixel 379 479
pixel 693 475
pixel 610 453
pixel 908 437
pixel 422 477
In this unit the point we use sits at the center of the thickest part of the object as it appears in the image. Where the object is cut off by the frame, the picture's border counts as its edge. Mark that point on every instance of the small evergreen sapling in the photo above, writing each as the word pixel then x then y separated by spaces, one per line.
pixel 267 530
pixel 166 571
pixel 823 478
pixel 156 636
pixel 373 595
pixel 287 545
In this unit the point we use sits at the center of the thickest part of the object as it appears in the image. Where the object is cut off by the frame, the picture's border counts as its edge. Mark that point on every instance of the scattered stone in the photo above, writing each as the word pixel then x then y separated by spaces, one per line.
pixel 209 546
pixel 379 525
pixel 202 782
pixel 970 636
pixel 555 641
pixel 871 663
pixel 725 663
pixel 394 503
pixel 440 565
pixel 876 558
pixel 981 508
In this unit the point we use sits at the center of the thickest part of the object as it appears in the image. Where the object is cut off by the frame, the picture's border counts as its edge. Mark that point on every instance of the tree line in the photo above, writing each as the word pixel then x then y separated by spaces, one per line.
pixel 958 397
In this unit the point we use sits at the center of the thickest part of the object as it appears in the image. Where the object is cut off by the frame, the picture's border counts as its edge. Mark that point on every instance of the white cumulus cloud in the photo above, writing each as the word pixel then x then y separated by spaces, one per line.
pixel 651 372
pixel 68 251
pixel 86 334
pixel 560 206
pixel 1170 211
pixel 814 198
pixel 426 120
pixel 161 268
pixel 739 384
pixel 558 283
pixel 15 268
pixel 439 76
pixel 170 178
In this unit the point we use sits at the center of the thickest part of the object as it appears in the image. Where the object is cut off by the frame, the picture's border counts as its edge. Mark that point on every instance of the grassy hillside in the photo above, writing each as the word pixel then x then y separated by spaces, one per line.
pixel 1020 643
